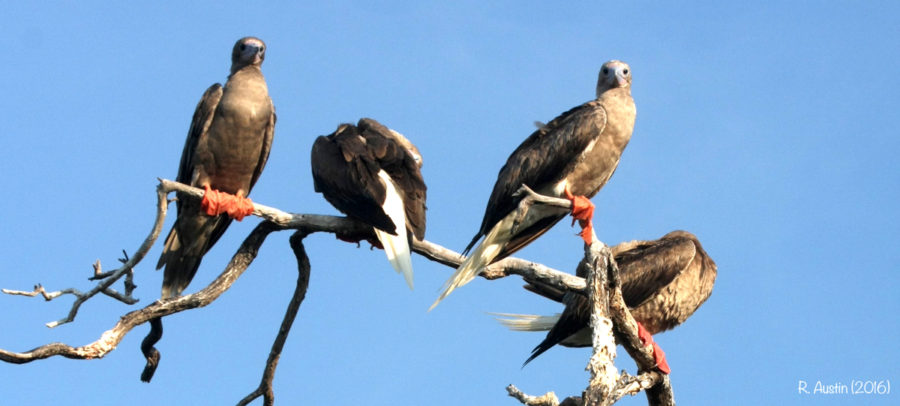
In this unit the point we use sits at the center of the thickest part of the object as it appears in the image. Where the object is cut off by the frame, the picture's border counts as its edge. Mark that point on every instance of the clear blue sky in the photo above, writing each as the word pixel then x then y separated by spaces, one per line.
pixel 771 132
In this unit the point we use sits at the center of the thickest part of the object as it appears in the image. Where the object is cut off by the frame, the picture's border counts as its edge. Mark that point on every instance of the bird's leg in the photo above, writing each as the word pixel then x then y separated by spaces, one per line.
pixel 215 203
pixel 583 211
pixel 658 355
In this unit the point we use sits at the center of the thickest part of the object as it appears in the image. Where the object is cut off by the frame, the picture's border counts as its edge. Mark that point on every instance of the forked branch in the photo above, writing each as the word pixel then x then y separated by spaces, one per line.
pixel 597 256
pixel 303 268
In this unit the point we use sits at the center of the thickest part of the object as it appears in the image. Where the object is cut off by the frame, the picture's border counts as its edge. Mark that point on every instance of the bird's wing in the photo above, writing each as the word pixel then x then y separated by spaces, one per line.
pixel 346 173
pixel 648 268
pixel 401 166
pixel 203 117
pixel 542 159
pixel 266 148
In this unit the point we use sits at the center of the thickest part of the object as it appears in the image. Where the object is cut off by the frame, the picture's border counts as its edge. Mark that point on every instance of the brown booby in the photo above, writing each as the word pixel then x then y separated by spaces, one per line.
pixel 663 283
pixel 371 173
pixel 572 156
pixel 226 150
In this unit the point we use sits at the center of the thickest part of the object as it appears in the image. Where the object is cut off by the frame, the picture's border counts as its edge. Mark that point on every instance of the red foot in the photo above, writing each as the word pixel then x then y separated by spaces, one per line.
pixel 215 203
pixel 659 357
pixel 583 211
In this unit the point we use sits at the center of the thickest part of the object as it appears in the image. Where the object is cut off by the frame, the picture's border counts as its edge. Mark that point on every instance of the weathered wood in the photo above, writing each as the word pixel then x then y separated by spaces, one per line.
pixel 609 312
pixel 303 268
pixel 111 338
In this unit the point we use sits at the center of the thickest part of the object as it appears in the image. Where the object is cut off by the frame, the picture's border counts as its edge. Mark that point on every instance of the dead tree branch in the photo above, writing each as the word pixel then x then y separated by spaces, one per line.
pixel 303 267
pixel 547 399
pixel 111 338
pixel 658 386
pixel 597 256
pixel 112 276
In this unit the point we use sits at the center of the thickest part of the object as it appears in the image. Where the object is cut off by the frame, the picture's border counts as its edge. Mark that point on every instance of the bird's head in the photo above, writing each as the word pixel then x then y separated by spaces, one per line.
pixel 409 146
pixel 613 74
pixel 247 51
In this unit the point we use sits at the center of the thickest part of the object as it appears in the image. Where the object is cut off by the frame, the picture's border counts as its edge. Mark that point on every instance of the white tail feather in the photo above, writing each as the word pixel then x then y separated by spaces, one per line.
pixel 481 257
pixel 396 247
pixel 526 322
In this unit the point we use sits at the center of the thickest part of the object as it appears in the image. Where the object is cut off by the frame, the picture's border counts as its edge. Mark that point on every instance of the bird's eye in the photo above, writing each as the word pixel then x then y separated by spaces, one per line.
pixel 243 47
pixel 605 71
pixel 625 71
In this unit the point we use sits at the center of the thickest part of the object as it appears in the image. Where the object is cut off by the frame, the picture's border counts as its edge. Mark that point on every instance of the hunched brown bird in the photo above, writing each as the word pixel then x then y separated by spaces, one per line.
pixel 372 174
pixel 664 282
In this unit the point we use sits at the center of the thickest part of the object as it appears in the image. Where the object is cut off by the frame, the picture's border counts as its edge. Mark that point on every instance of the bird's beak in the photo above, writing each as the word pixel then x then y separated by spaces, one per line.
pixel 621 77
pixel 253 51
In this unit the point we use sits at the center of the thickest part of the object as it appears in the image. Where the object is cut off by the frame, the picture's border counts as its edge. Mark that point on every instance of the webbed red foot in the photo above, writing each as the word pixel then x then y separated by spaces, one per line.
pixel 215 203
pixel 583 211
pixel 659 357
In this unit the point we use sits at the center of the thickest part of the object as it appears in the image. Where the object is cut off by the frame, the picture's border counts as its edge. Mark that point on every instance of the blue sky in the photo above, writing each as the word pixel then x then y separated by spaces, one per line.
pixel 768 131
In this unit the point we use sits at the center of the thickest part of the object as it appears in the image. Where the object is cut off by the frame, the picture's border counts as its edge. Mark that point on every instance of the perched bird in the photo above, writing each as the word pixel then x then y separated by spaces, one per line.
pixel 663 283
pixel 371 173
pixel 572 156
pixel 226 150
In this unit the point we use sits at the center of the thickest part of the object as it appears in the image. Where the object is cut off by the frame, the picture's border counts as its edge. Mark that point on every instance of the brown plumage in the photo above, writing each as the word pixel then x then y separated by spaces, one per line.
pixel 226 149
pixel 371 173
pixel 663 283
pixel 578 151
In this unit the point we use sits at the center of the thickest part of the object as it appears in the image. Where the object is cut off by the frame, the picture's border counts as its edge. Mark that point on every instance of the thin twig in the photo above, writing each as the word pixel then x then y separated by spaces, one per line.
pixel 547 399
pixel 111 338
pixel 112 276
pixel 303 268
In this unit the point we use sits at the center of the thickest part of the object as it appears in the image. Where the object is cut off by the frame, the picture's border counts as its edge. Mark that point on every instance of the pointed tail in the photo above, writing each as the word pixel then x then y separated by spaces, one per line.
pixel 484 254
pixel 531 322
pixel 396 247
pixel 397 250
pixel 526 322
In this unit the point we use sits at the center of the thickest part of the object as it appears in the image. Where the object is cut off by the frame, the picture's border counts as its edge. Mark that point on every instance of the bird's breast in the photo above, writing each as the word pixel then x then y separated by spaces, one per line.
pixel 601 157
pixel 236 138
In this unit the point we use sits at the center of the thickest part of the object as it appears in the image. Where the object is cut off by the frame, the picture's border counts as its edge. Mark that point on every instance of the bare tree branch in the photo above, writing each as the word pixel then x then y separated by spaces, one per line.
pixel 114 275
pixel 547 399
pixel 597 258
pixel 111 338
pixel 605 387
pixel 659 391
pixel 303 267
